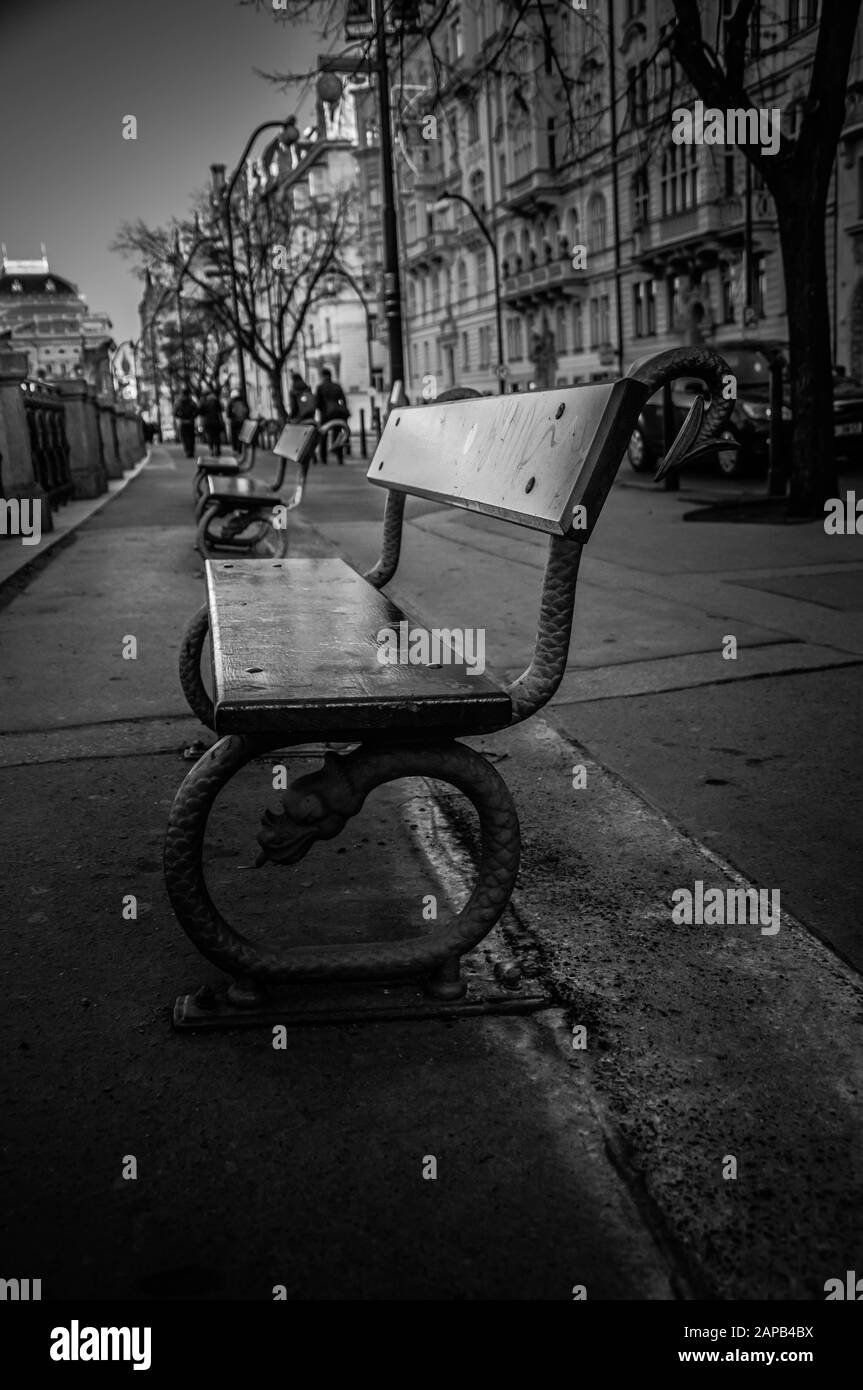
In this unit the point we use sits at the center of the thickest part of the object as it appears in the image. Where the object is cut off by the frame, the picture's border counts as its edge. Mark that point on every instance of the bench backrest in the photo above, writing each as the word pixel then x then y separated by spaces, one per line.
pixel 532 457
pixel 296 443
pixel 248 430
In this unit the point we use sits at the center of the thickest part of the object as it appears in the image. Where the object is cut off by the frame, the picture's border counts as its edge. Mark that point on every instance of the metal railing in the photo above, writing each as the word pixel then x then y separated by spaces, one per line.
pixel 46 422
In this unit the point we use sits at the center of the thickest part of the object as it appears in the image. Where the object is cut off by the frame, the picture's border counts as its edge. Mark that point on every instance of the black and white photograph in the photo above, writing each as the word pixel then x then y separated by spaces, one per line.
pixel 431 630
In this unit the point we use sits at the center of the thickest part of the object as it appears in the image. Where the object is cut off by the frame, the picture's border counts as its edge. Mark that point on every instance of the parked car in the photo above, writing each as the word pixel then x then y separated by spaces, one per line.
pixel 749 423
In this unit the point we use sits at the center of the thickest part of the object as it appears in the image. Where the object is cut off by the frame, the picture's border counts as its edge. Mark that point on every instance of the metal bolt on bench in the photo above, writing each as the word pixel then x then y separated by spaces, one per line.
pixel 295 661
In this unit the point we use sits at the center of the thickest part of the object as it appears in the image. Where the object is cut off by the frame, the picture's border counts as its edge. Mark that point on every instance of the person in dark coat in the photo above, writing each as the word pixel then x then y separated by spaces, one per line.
pixel 301 401
pixel 238 414
pixel 331 403
pixel 211 416
pixel 185 414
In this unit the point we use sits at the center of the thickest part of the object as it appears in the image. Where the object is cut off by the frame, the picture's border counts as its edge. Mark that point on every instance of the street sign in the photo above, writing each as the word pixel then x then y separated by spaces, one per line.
pixel 502 371
pixel 360 21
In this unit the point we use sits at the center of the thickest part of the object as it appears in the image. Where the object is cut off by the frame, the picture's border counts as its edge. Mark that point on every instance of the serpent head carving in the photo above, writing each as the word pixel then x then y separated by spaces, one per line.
pixel 316 807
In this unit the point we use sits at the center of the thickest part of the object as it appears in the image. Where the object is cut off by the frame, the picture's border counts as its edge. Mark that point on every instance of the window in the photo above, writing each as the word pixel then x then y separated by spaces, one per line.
pixel 513 339
pixel 522 150
pixel 672 286
pixel 729 174
pixel 481 272
pixel 328 331
pixel 802 14
pixel 477 189
pixel 636 94
pixel 435 292
pixel 577 328
pixel 411 222
pixel 312 335
pixel 640 198
pixel 461 277
pixel 426 359
pixel 551 142
pixel 728 294
pixel 456 39
pixel 560 329
pixel 599 320
pixel 597 223
pixel 472 121
pixel 644 309
pixel 759 283
pixel 484 346
pixel 501 172
pixel 572 227
pixel 415 359
pixel 465 350
pixel 679 179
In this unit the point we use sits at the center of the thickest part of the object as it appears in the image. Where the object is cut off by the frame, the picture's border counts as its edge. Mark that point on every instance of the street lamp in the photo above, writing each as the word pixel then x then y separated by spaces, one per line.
pixel 460 198
pixel 222 195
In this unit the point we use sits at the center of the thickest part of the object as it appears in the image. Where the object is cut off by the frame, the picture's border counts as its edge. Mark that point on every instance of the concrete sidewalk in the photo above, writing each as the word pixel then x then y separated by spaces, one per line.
pixel 556 1167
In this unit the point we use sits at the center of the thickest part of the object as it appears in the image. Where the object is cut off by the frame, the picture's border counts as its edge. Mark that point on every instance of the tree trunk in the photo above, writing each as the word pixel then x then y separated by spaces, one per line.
pixel 813 465
pixel 278 394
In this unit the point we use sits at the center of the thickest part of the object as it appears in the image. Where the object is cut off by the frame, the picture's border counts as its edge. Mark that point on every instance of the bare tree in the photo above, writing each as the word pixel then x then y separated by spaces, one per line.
pixel 284 245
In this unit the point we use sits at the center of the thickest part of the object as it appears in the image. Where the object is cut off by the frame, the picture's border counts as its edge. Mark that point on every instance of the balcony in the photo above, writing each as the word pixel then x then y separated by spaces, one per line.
pixel 534 193
pixel 701 232
pixel 540 284
pixel 431 249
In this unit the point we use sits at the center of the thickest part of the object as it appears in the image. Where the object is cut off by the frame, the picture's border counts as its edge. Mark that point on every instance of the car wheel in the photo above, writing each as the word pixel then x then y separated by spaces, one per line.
pixel 638 452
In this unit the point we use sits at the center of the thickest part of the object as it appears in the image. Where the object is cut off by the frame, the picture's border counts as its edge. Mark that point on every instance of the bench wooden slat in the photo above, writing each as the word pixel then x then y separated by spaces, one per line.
pixel 224 467
pixel 257 493
pixel 528 458
pixel 295 649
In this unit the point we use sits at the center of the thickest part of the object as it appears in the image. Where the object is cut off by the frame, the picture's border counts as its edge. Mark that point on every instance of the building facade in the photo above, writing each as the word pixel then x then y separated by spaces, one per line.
pixel 612 242
pixel 42 314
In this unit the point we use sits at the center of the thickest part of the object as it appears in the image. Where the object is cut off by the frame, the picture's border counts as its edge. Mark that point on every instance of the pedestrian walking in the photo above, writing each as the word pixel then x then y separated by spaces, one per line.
pixel 301 401
pixel 331 404
pixel 211 417
pixel 238 414
pixel 185 414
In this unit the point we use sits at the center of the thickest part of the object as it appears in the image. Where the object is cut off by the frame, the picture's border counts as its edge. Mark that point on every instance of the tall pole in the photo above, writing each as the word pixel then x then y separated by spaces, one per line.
pixel 392 289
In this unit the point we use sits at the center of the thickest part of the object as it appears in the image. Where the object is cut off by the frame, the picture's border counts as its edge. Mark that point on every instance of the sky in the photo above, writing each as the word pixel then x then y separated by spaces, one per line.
pixel 71 70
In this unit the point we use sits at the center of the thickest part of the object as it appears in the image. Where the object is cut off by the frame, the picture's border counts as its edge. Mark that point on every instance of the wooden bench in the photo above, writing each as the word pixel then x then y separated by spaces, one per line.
pixel 296 658
pixel 227 465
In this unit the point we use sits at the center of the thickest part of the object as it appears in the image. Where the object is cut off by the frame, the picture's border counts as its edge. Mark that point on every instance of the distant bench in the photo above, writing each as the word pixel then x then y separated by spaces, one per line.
pixel 296 659
pixel 244 515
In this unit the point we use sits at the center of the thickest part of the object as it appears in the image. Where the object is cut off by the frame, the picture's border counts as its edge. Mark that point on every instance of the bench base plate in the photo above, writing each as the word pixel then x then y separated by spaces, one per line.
pixel 317 1003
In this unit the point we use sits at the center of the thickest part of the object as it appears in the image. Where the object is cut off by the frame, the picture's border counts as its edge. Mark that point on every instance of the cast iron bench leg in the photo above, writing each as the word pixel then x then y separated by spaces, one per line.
pixel 271 541
pixel 318 806
pixel 196 634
